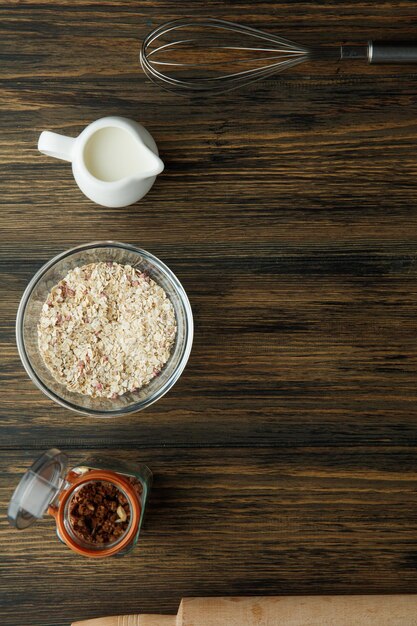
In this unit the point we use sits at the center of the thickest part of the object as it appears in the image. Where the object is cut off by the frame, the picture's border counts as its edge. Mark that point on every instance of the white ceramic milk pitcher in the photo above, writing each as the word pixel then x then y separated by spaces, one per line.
pixel 114 160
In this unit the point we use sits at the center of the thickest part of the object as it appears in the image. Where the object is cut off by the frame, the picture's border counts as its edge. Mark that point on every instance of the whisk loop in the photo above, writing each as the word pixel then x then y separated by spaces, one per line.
pixel 212 56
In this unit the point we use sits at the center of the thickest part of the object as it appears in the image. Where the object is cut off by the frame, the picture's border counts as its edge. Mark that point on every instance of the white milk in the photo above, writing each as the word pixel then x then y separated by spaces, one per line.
pixel 113 153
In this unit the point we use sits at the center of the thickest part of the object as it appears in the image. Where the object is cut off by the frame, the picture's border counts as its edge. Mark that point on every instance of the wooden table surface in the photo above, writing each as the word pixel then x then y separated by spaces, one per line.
pixel 285 458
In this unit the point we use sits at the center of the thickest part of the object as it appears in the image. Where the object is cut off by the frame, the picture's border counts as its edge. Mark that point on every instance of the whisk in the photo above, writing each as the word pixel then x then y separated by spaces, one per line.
pixel 209 56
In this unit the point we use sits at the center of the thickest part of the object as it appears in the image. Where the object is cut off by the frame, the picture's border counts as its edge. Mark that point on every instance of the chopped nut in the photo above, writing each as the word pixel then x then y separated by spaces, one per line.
pixel 121 513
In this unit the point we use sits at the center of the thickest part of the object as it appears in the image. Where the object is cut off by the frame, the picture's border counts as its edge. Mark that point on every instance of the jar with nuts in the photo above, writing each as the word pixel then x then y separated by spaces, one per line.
pixel 98 505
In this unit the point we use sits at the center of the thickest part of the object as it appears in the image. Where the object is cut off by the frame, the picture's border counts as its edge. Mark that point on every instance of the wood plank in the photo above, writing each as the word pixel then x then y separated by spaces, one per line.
pixel 234 522
pixel 273 363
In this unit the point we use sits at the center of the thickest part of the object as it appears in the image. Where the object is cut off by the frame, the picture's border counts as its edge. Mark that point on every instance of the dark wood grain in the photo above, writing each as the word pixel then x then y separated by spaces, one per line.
pixel 285 456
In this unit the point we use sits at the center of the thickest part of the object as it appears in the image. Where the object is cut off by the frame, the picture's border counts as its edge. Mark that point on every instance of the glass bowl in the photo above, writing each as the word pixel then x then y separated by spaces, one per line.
pixel 30 309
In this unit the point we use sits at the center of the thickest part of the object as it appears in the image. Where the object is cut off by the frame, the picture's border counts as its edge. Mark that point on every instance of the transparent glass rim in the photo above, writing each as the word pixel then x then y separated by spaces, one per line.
pixel 134 407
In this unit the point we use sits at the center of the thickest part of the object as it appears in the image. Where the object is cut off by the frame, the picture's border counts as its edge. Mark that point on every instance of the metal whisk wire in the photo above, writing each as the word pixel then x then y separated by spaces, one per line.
pixel 207 77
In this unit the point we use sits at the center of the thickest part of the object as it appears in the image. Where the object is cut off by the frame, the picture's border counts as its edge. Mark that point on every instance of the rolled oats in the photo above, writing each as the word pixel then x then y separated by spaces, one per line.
pixel 106 329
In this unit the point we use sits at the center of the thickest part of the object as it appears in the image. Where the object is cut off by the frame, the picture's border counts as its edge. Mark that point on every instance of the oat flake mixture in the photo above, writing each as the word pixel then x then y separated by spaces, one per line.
pixel 106 329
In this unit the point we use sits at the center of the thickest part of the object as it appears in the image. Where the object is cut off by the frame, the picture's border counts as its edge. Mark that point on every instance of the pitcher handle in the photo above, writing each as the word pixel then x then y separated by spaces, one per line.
pixel 55 145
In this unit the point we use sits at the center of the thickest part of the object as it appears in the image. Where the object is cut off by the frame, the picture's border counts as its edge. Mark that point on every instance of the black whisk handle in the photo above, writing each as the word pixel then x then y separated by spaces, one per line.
pixel 392 52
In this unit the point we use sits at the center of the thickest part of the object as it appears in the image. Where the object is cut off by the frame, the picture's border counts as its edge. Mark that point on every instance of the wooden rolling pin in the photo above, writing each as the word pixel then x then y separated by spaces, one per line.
pixel 398 610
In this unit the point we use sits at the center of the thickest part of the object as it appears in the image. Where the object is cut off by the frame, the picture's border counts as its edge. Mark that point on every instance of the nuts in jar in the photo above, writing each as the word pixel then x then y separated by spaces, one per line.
pixel 99 513
pixel 98 506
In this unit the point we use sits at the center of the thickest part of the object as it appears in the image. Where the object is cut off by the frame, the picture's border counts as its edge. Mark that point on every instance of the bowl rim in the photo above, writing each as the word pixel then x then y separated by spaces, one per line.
pixel 138 406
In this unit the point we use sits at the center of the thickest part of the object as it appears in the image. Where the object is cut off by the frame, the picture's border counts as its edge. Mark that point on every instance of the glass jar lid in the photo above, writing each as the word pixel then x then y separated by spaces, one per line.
pixel 38 488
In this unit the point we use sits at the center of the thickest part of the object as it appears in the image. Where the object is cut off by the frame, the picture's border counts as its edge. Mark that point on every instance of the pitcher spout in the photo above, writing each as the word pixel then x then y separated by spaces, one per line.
pixel 154 165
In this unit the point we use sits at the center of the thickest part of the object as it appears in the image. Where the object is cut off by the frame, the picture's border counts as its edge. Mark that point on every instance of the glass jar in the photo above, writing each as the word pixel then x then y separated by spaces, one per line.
pixel 98 505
